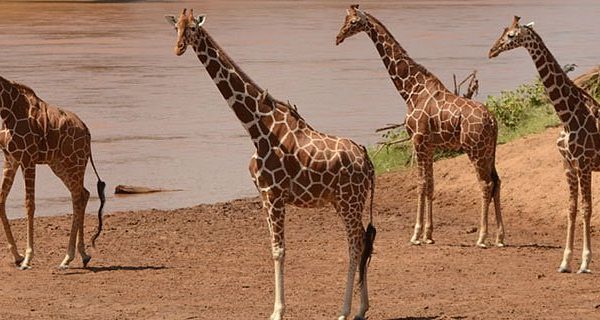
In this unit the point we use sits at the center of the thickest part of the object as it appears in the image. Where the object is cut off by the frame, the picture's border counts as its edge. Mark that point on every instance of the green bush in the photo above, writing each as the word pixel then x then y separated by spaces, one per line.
pixel 514 107
pixel 519 112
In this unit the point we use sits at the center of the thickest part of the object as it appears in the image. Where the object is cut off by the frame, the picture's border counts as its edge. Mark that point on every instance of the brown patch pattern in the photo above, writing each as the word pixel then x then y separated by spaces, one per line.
pixel 34 132
pixel 293 163
pixel 436 119
pixel 578 143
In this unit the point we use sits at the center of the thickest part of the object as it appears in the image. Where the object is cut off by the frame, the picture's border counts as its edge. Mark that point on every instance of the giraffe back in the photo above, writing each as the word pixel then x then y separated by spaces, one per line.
pixel 36 131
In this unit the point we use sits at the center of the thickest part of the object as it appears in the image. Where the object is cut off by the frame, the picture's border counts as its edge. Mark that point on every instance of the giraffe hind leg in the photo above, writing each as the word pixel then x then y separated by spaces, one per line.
pixel 73 177
pixel 498 208
pixel 585 182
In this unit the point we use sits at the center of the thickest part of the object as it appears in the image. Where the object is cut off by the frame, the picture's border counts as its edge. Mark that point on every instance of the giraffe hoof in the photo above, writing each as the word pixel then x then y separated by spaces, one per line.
pixel 63 267
pixel 564 270
pixel 86 260
pixel 428 241
pixel 500 244
pixel 482 245
pixel 24 267
pixel 19 260
pixel 584 270
pixel 359 318
pixel 415 242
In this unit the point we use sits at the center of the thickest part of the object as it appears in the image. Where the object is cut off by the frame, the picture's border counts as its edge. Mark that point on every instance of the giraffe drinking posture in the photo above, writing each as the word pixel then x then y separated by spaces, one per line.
pixel 34 132
pixel 579 141
pixel 293 163
pixel 436 118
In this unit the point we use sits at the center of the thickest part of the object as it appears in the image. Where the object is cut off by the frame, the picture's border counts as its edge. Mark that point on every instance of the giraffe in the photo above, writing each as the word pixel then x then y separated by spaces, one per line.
pixel 578 142
pixel 436 119
pixel 34 132
pixel 293 163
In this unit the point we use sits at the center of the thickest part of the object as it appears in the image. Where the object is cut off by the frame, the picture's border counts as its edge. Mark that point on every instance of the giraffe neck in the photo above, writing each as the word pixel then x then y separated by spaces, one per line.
pixel 13 107
pixel 556 82
pixel 410 78
pixel 264 117
pixel 240 92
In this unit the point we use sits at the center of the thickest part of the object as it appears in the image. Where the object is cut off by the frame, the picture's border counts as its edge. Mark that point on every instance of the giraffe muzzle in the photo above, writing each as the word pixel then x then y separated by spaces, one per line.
pixel 180 49
pixel 493 53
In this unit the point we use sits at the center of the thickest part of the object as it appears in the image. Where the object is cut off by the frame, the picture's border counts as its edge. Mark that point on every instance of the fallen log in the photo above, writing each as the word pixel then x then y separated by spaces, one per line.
pixel 125 189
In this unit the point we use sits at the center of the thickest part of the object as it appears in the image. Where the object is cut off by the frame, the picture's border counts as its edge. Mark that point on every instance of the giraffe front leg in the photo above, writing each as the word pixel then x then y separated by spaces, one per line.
pixel 484 168
pixel 573 182
pixel 585 182
pixel 275 206
pixel 10 169
pixel 29 175
pixel 422 160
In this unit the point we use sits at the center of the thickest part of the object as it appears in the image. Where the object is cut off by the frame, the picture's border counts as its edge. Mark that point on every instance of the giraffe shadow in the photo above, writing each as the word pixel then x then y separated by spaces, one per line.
pixel 115 268
pixel 508 246
pixel 422 318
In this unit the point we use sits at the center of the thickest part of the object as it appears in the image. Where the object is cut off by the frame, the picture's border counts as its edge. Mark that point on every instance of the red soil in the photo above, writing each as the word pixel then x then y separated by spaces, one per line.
pixel 213 261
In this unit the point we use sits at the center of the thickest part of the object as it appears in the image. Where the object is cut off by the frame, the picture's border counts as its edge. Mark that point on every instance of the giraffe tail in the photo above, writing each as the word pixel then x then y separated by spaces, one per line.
pixel 495 181
pixel 369 235
pixel 100 186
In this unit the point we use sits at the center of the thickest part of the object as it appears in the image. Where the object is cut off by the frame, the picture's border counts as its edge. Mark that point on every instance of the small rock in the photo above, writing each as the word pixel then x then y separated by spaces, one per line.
pixel 471 230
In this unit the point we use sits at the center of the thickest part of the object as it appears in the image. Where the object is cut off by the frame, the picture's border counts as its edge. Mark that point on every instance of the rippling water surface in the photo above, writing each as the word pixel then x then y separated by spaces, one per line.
pixel 158 120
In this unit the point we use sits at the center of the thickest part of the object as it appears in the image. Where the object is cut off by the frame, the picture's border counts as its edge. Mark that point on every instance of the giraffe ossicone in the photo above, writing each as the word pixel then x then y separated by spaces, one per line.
pixel 293 163
pixel 34 132
pixel 436 119
pixel 578 142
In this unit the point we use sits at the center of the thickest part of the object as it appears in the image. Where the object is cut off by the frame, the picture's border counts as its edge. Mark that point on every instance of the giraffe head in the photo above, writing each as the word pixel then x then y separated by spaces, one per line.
pixel 355 22
pixel 512 37
pixel 186 26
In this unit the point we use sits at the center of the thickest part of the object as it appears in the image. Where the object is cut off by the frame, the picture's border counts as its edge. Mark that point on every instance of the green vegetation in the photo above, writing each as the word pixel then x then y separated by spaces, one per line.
pixel 520 112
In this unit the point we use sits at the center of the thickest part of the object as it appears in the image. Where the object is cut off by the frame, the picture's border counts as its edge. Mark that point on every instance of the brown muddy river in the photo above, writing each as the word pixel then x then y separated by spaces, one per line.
pixel 158 120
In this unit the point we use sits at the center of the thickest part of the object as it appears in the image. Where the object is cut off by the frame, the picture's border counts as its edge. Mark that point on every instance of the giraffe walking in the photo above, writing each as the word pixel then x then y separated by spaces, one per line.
pixel 436 118
pixel 34 132
pixel 578 142
pixel 293 163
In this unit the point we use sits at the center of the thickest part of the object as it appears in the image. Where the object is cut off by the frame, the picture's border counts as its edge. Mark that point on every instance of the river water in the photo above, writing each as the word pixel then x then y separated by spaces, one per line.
pixel 158 120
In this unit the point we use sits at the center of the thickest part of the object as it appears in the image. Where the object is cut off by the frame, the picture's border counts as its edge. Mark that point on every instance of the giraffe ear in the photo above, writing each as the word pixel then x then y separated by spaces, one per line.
pixel 200 20
pixel 171 19
pixel 361 14
pixel 530 25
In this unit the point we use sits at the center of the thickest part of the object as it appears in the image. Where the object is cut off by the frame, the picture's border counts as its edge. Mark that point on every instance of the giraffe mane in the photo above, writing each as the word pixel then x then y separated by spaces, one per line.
pixel 23 89
pixel 387 31
pixel 416 65
pixel 291 109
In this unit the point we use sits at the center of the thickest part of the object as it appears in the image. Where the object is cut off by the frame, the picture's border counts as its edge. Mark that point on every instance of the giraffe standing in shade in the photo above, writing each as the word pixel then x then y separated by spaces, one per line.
pixel 33 133
pixel 436 118
pixel 578 142
pixel 293 163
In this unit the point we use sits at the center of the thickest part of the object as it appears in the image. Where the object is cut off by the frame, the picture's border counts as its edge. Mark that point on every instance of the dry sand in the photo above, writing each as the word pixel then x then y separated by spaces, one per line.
pixel 213 261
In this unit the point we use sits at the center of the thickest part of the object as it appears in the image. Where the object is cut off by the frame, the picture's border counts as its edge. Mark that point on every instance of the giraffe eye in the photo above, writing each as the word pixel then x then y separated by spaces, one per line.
pixel 353 21
pixel 511 34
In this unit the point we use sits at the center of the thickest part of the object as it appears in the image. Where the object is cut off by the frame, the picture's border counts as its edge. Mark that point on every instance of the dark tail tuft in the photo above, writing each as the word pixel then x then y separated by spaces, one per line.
pixel 365 258
pixel 101 185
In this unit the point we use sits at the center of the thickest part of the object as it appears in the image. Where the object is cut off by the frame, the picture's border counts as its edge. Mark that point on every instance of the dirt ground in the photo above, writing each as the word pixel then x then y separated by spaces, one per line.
pixel 213 261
